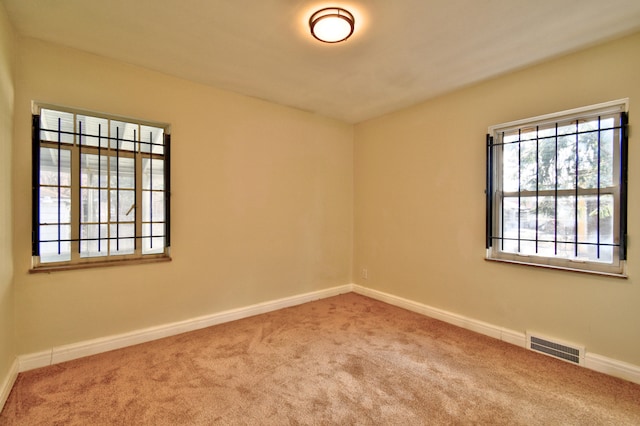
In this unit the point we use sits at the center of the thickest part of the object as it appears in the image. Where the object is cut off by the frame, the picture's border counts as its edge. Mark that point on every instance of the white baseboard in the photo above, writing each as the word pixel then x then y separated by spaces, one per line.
pixel 60 354
pixel 64 353
pixel 34 360
pixel 509 336
pixel 594 362
pixel 612 367
pixel 7 383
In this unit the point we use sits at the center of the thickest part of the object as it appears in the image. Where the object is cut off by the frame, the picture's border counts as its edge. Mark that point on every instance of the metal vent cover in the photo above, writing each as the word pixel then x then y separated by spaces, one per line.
pixel 557 349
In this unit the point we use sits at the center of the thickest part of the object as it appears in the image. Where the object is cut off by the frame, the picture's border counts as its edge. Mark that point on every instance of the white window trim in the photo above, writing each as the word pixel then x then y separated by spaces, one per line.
pixel 493 253
pixel 76 261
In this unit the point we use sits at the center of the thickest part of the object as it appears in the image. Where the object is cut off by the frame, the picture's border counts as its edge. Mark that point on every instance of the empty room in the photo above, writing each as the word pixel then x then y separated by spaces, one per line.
pixel 309 212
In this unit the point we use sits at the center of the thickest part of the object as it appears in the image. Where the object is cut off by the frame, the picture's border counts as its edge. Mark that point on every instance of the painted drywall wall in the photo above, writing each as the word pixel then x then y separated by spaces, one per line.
pixel 420 207
pixel 7 326
pixel 262 202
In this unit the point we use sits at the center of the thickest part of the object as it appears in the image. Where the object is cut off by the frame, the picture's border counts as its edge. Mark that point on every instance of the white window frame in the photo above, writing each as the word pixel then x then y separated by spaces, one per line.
pixel 496 195
pixel 77 252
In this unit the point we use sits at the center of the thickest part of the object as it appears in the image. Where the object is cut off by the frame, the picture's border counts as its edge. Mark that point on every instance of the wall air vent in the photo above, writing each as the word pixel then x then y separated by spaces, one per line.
pixel 552 347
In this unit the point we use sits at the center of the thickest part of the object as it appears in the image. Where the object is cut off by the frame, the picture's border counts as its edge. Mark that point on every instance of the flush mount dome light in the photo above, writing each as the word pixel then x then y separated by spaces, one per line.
pixel 331 24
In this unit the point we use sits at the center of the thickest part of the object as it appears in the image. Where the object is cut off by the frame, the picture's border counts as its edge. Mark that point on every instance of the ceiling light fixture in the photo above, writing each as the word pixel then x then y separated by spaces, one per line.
pixel 331 24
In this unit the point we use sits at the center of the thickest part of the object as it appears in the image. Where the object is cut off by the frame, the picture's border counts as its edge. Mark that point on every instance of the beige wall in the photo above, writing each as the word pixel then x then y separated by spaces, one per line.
pixel 420 207
pixel 7 326
pixel 262 202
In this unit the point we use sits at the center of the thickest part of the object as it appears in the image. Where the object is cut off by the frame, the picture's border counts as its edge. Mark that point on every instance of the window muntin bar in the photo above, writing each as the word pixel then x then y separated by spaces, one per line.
pixel 555 195
pixel 54 204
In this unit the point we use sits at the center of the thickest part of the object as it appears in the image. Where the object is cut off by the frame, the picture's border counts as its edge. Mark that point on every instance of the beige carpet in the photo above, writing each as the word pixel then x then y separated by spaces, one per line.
pixel 343 360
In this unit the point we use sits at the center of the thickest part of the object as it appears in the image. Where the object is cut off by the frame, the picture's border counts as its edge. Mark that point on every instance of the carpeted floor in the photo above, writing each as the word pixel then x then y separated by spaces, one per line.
pixel 343 360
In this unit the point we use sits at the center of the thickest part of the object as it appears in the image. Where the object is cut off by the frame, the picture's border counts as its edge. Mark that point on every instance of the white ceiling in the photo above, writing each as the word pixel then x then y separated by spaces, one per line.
pixel 402 51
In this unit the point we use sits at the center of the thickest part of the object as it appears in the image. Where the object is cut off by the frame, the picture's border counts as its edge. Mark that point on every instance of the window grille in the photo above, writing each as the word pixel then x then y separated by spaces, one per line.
pixel 101 188
pixel 557 190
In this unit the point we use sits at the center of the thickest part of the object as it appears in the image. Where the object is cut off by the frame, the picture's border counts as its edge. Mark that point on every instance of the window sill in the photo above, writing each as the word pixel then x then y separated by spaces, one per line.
pixel 99 264
pixel 562 268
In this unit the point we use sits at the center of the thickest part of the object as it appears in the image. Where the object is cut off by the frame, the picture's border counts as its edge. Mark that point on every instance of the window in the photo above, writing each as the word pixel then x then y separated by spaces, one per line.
pixel 556 190
pixel 100 189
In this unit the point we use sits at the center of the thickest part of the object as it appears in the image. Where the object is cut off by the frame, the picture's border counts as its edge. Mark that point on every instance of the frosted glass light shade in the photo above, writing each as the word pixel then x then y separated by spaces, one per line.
pixel 331 24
